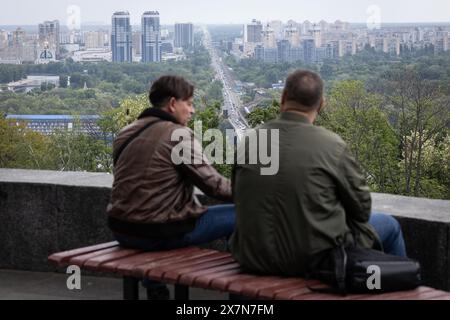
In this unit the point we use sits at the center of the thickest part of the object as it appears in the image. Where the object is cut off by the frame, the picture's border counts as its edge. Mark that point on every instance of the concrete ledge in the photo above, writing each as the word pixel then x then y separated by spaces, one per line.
pixel 43 212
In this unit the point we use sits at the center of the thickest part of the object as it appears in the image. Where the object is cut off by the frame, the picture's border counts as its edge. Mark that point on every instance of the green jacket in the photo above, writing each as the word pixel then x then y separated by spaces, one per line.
pixel 284 220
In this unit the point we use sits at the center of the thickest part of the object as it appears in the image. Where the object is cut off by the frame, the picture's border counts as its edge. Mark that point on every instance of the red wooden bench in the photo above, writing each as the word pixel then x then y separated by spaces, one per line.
pixel 207 269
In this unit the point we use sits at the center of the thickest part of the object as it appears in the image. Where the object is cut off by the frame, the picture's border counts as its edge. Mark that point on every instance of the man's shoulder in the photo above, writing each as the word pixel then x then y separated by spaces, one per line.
pixel 329 143
pixel 141 123
pixel 320 135
pixel 329 136
pixel 174 132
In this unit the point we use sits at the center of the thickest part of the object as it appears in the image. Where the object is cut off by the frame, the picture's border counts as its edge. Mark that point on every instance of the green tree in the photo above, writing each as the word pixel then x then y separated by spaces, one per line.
pixel 420 112
pixel 75 151
pixel 210 119
pixel 261 115
pixel 356 116
pixel 114 120
pixel 63 81
pixel 22 148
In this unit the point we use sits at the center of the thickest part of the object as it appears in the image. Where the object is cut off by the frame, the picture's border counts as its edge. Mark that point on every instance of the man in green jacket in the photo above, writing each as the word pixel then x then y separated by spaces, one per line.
pixel 315 200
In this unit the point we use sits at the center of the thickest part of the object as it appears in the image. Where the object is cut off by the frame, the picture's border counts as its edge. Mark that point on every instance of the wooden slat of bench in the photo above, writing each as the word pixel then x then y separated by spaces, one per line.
pixel 253 290
pixel 421 293
pixel 288 294
pixel 354 297
pixel 81 259
pixel 96 263
pixel 159 272
pixel 204 277
pixel 433 294
pixel 318 296
pixel 61 258
pixel 126 265
pixel 141 271
pixel 222 283
pixel 397 294
pixel 443 297
pixel 270 292
pixel 237 287
pixel 205 281
pixel 173 276
pixel 328 296
pixel 430 295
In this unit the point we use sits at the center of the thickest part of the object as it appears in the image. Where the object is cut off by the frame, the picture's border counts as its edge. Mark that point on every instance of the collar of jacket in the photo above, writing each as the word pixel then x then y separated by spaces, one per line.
pixel 158 113
pixel 292 116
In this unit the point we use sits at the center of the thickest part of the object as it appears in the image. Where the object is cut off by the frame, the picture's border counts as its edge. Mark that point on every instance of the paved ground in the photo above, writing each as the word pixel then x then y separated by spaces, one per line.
pixel 21 285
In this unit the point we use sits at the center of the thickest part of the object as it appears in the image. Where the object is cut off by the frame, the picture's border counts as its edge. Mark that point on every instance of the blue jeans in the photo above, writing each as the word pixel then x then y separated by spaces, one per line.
pixel 389 232
pixel 218 222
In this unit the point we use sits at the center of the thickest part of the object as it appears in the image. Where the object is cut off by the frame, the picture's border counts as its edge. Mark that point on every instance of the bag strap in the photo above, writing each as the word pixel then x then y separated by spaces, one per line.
pixel 130 139
pixel 339 256
pixel 341 268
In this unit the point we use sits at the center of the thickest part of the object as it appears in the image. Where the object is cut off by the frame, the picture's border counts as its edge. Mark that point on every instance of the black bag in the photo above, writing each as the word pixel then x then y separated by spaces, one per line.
pixel 355 269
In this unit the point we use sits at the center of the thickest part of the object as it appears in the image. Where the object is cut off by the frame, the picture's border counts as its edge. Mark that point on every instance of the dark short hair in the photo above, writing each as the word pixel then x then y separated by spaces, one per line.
pixel 304 88
pixel 167 87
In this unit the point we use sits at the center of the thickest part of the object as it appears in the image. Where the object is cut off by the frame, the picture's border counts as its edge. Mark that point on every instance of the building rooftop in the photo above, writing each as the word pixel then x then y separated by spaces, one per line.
pixel 151 13
pixel 121 13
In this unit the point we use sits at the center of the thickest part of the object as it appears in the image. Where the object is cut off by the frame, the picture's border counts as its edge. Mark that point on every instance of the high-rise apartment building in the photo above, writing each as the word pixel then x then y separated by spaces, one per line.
pixel 253 32
pixel 151 37
pixel 309 51
pixel 306 27
pixel 284 49
pixel 269 39
pixel 323 25
pixel 49 35
pixel 317 35
pixel 3 38
pixel 184 35
pixel 121 37
pixel 94 39
pixel 137 43
pixel 19 37
pixel 292 35
pixel 277 27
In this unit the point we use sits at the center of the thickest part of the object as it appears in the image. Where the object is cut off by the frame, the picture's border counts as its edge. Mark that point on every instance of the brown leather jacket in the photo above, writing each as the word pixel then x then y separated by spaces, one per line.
pixel 151 195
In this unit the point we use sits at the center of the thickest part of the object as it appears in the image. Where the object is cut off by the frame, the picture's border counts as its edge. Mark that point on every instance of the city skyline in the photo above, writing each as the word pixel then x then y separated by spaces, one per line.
pixel 234 11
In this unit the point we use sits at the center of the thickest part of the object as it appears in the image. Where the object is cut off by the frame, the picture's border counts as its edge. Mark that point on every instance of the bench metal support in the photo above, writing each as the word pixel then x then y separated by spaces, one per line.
pixel 130 288
pixel 237 297
pixel 181 292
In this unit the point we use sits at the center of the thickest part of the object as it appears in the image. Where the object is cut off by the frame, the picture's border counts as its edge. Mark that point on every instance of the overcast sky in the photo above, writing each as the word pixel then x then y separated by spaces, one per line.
pixel 30 12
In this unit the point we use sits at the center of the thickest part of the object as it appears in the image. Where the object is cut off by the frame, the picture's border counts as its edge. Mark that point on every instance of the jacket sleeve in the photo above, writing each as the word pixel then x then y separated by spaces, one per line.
pixel 352 189
pixel 193 163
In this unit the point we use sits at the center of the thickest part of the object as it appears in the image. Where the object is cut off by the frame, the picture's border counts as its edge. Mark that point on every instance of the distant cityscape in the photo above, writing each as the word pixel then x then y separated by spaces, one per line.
pixel 309 42
pixel 119 43
pixel 273 41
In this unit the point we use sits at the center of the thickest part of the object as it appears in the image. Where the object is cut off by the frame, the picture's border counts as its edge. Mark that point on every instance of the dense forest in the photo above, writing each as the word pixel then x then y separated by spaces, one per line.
pixel 107 84
pixel 367 66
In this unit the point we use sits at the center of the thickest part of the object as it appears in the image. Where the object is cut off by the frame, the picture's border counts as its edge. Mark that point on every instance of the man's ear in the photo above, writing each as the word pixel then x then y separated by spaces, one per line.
pixel 323 103
pixel 171 105
pixel 283 100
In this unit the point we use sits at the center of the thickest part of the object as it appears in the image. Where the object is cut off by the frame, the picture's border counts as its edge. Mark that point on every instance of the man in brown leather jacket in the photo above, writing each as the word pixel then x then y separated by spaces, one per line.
pixel 153 206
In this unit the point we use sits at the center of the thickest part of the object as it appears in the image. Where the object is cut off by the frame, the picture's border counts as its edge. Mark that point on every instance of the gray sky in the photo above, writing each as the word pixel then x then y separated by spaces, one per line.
pixel 29 12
